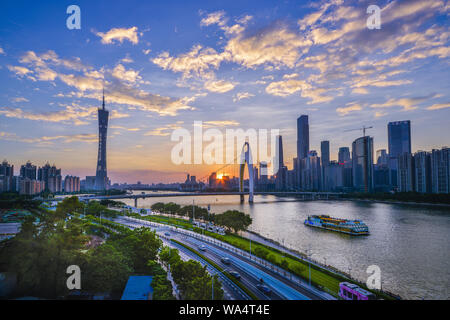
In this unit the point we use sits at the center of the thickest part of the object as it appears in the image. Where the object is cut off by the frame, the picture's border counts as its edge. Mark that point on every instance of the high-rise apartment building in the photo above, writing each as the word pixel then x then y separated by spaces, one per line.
pixel 302 146
pixel 422 172
pixel 440 170
pixel 302 137
pixel 362 167
pixel 311 172
pixel 405 172
pixel 6 176
pixel 28 170
pixel 399 142
pixel 71 184
pixel 51 176
pixel 325 158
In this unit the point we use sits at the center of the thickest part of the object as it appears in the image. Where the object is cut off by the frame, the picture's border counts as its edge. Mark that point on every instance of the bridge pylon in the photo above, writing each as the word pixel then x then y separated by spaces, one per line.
pixel 246 158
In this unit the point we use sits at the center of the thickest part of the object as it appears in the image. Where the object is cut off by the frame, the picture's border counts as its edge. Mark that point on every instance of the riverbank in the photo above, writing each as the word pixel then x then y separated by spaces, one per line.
pixel 440 205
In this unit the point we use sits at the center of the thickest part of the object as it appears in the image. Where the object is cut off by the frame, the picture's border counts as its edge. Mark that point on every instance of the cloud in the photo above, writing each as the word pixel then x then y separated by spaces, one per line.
pixel 119 34
pixel 121 73
pixel 127 59
pixel 163 131
pixel 439 106
pixel 82 83
pixel 407 104
pixel 124 128
pixel 380 114
pixel 118 115
pixel 242 95
pixel 360 91
pixel 75 114
pixel 196 62
pixel 275 45
pixel 20 99
pixel 124 94
pixel 220 86
pixel 351 107
pixel 217 17
pixel 50 57
pixel 19 71
pixel 285 88
pixel 83 137
pixel 220 123
pixel 2 51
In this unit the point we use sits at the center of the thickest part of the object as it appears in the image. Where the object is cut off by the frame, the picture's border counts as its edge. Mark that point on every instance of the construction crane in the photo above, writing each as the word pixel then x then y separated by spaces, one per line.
pixel 364 128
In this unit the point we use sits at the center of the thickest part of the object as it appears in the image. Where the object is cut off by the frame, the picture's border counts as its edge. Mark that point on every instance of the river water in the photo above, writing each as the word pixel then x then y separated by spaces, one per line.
pixel 410 243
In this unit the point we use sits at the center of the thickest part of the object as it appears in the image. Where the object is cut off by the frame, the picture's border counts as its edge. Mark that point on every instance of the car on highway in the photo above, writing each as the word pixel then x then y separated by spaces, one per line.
pixel 235 274
pixel 225 260
pixel 202 248
pixel 167 234
pixel 264 289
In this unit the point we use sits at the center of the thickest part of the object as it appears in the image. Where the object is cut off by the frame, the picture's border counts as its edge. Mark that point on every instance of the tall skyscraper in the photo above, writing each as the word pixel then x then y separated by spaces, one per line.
pixel 101 177
pixel 362 158
pixel 399 138
pixel 280 159
pixel 281 173
pixel 325 157
pixel 344 155
pixel 302 137
pixel 311 172
pixel 263 175
pixel 302 148
pixel 399 142
pixel 382 157
pixel 325 152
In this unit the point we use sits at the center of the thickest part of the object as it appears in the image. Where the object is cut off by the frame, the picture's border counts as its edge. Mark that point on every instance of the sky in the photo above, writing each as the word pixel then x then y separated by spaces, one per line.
pixel 231 64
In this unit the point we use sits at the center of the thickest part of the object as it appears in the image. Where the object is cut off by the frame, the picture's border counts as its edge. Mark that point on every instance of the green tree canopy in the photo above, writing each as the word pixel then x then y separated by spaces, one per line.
pixel 108 270
pixel 233 220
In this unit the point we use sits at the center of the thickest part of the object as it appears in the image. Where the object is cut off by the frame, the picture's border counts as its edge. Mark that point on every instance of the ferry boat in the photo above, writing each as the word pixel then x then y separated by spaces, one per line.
pixel 352 227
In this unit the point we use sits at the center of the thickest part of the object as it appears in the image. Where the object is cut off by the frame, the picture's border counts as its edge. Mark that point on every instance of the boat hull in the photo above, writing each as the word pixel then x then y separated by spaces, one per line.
pixel 336 229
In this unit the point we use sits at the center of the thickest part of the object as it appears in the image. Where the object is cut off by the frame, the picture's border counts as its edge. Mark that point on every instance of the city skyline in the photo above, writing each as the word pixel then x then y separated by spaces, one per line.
pixel 204 64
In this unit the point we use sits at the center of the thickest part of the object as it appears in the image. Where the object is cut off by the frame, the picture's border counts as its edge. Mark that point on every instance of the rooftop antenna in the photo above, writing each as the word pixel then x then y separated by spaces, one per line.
pixel 103 105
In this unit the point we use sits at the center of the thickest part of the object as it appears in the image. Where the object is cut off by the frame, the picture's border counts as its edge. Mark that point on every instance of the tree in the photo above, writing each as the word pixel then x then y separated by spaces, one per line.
pixel 169 256
pixel 171 208
pixel 162 288
pixel 234 220
pixel 39 255
pixel 68 206
pixel 107 270
pixel 141 245
pixel 194 281
pixel 159 206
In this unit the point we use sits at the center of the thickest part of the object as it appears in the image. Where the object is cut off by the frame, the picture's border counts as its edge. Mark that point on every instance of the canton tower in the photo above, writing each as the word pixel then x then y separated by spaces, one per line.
pixel 101 176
